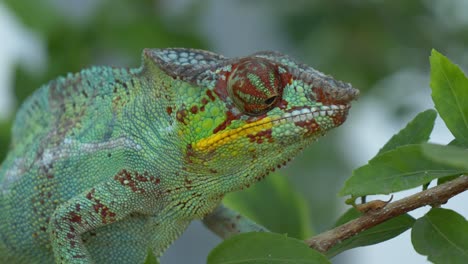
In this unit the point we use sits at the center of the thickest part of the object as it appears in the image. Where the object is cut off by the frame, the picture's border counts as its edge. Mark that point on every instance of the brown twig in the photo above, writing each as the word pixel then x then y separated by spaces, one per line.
pixel 433 196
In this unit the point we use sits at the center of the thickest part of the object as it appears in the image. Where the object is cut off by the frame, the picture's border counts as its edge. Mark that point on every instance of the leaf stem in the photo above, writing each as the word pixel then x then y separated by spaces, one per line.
pixel 434 196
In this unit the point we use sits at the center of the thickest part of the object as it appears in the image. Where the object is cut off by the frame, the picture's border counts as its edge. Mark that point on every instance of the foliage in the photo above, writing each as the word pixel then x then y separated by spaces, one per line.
pixel 442 235
pixel 268 202
pixel 374 235
pixel 264 248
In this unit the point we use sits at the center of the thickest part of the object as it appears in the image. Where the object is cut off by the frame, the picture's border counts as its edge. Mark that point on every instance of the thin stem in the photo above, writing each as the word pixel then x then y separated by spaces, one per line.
pixel 434 196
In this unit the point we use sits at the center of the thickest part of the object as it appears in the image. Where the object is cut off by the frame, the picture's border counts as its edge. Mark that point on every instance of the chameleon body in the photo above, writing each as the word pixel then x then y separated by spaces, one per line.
pixel 109 163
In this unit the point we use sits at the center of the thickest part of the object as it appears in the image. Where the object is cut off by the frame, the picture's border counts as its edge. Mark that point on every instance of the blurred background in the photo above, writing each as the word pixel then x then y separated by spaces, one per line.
pixel 381 47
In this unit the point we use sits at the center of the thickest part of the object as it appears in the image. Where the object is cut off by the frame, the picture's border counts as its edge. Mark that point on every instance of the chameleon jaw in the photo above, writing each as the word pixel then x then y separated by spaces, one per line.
pixel 316 120
pixel 306 117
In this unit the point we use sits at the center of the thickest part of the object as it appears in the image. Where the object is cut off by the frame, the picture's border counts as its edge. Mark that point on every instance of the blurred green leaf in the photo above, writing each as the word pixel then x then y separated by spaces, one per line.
pixel 442 236
pixel 264 248
pixel 151 259
pixel 450 95
pixel 5 134
pixel 382 232
pixel 449 155
pixel 101 37
pixel 274 204
pixel 416 131
pixel 399 169
pixel 40 16
pixel 446 179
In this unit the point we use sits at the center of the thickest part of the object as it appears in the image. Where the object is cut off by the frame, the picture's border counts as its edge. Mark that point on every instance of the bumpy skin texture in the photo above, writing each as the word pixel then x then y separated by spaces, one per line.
pixel 109 163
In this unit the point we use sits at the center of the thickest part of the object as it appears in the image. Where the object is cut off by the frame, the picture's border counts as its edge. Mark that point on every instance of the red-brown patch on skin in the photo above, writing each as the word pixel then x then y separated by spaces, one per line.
pixel 204 102
pixel 107 216
pixel 229 118
pixel 295 108
pixel 74 217
pixel 282 104
pixel 189 153
pixel 90 195
pixel 327 99
pixel 261 137
pixel 339 118
pixel 210 95
pixel 286 78
pixel 140 178
pixel 194 109
pixel 169 110
pixel 133 180
pixel 221 87
pixel 311 125
pixel 181 115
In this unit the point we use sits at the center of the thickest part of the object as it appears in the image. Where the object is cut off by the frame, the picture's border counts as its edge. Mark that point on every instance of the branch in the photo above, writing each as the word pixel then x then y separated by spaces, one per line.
pixel 434 196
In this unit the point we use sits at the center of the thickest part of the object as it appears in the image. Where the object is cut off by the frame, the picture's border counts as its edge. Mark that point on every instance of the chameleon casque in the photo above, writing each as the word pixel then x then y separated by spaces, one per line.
pixel 109 163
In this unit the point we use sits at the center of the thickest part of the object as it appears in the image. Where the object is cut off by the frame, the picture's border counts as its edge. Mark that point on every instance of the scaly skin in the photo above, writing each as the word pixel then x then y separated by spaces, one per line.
pixel 108 163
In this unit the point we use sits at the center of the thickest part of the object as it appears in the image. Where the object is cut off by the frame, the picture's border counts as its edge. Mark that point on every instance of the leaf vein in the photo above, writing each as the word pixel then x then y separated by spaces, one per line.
pixel 446 238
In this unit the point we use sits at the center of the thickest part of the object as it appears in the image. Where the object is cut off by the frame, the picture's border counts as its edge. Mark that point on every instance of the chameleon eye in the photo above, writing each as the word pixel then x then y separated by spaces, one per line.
pixel 254 85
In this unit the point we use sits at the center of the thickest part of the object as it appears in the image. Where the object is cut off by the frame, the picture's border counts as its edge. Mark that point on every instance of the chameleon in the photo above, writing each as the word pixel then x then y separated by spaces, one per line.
pixel 109 163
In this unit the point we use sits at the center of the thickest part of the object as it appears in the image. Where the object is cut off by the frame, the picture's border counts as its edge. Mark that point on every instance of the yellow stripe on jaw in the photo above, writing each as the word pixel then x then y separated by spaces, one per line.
pixel 226 136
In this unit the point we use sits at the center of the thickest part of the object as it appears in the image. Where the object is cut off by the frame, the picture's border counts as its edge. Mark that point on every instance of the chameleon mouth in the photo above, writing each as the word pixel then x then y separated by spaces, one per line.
pixel 314 119
pixel 307 113
pixel 303 115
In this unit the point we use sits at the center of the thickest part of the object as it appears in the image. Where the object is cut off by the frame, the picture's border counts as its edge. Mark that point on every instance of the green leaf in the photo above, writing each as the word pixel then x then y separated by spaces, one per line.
pixel 442 236
pixel 267 248
pixel 268 202
pixel 450 95
pixel 446 179
pixel 416 131
pixel 382 232
pixel 5 131
pixel 449 155
pixel 151 259
pixel 399 169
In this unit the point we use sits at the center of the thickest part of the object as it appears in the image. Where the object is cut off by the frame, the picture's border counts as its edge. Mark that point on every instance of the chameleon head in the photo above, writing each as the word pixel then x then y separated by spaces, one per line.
pixel 247 116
